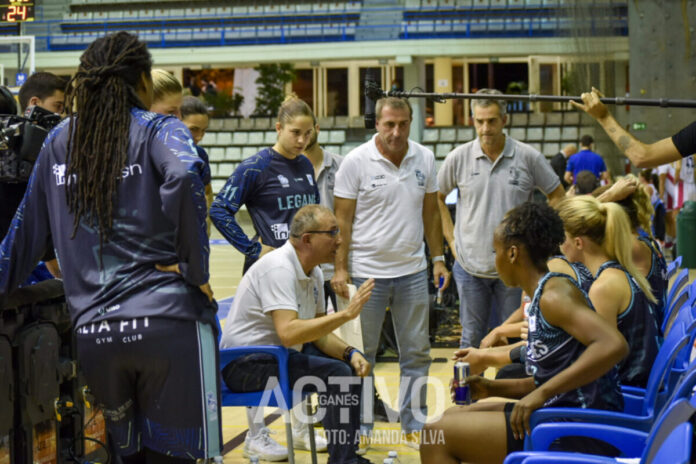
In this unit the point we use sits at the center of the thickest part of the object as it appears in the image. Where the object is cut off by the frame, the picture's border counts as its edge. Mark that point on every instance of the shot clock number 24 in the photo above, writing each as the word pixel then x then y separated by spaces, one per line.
pixel 14 11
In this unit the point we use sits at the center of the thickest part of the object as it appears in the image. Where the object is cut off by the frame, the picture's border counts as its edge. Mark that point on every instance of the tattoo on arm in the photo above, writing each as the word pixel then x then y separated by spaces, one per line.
pixel 624 142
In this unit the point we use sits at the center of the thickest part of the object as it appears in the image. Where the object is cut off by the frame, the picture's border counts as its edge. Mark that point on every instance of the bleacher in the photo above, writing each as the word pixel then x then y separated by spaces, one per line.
pixel 168 23
pixel 230 140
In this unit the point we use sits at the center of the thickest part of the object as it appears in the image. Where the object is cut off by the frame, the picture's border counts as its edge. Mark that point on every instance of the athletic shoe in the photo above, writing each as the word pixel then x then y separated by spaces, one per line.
pixel 300 438
pixel 264 447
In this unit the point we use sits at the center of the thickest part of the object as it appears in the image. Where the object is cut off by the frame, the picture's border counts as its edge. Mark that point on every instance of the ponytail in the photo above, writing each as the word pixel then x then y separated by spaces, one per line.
pixel 618 246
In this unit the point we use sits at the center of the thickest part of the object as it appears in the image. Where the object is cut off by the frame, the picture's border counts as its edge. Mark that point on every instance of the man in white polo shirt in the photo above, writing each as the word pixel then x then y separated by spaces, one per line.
pixel 494 173
pixel 385 202
pixel 280 301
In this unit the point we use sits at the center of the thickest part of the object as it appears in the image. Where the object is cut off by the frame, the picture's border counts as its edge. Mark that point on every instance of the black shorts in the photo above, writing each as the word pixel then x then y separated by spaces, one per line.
pixel 157 382
pixel 569 444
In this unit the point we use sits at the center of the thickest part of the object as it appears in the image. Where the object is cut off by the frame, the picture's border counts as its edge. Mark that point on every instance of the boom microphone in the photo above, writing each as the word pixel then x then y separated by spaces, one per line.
pixel 370 86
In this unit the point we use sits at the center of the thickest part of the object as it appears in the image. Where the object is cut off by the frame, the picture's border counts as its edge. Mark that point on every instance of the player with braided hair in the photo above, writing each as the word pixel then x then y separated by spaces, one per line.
pixel 118 190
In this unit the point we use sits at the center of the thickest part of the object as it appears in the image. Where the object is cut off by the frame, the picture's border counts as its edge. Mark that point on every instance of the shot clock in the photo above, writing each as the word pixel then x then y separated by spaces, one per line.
pixel 14 11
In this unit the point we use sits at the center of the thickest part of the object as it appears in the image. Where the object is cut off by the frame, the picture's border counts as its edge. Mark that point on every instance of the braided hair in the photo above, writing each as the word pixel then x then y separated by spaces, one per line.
pixel 99 101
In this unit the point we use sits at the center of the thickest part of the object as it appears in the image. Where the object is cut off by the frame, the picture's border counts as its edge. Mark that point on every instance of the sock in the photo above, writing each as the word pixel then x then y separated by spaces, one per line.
pixel 255 426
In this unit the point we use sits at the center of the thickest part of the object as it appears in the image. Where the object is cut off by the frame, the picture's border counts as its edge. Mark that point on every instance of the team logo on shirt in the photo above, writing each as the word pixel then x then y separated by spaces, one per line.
pixel 421 177
pixel 59 172
pixel 280 231
pixel 283 181
pixel 514 176
pixel 310 180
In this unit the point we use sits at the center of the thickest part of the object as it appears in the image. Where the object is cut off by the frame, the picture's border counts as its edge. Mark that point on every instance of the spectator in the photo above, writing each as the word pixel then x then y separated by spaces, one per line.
pixel 586 182
pixel 588 160
pixel 560 160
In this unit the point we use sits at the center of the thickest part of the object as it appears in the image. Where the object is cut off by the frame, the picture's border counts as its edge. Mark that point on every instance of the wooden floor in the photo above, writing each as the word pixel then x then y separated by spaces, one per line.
pixel 226 270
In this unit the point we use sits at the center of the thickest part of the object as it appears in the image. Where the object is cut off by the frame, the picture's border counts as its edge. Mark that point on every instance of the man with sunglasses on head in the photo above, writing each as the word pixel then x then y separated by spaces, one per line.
pixel 280 301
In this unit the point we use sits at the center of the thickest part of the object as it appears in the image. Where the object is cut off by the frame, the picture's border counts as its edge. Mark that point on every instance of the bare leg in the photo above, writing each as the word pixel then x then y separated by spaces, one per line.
pixel 472 434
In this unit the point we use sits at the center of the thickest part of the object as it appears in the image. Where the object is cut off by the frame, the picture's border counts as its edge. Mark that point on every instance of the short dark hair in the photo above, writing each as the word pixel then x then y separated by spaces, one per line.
pixel 585 182
pixel 41 85
pixel 537 227
pixel 192 105
pixel 586 140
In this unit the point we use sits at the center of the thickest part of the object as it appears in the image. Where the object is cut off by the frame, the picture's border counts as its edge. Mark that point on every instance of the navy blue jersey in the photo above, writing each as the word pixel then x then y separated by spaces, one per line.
pixel 550 350
pixel 657 277
pixel 202 154
pixel 273 188
pixel 639 327
pixel 159 218
pixel 583 275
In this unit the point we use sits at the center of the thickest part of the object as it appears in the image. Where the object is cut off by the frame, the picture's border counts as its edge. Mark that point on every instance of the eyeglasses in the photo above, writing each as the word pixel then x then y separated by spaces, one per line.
pixel 333 232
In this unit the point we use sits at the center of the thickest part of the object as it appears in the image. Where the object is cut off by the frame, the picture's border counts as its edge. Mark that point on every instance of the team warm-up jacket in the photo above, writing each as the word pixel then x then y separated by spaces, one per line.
pixel 273 188
pixel 158 218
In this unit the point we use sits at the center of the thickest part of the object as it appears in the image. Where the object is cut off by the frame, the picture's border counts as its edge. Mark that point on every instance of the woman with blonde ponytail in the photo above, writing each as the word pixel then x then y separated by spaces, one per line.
pixel 646 253
pixel 597 234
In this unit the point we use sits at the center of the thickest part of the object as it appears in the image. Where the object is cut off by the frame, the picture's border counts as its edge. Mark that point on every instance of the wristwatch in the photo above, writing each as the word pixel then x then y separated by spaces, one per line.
pixel 436 259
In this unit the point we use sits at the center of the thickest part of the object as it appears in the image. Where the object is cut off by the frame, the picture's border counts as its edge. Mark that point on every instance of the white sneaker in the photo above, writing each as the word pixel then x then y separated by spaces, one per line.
pixel 300 438
pixel 264 447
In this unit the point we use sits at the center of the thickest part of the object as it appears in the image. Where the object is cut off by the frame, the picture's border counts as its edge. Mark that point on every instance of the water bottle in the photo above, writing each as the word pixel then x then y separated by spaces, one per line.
pixel 393 455
pixel 388 461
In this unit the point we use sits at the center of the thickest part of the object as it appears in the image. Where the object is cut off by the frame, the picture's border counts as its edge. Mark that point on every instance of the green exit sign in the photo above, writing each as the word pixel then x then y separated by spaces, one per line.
pixel 638 126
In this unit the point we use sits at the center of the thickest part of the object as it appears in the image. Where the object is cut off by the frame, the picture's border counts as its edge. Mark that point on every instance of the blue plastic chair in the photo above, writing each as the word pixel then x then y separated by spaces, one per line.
pixel 687 296
pixel 687 317
pixel 640 411
pixel 669 440
pixel 279 396
pixel 673 266
pixel 679 282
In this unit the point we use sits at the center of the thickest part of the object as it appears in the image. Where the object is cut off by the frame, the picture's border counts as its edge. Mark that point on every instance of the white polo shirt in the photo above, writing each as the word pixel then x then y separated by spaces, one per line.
pixel 387 238
pixel 276 281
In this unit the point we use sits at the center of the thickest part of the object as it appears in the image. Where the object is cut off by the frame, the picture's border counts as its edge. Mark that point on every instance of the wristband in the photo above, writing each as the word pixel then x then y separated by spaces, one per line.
pixel 348 353
pixel 437 259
